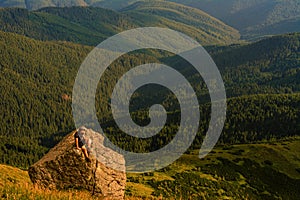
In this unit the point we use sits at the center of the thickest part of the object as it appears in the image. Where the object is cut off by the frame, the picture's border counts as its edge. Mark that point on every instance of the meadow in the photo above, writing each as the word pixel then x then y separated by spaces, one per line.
pixel 265 170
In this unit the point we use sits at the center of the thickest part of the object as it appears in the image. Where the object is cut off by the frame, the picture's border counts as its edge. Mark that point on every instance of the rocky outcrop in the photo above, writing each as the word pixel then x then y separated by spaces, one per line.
pixel 66 167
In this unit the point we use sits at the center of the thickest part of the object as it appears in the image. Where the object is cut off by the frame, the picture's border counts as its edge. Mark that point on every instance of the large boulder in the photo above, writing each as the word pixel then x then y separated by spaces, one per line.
pixel 66 167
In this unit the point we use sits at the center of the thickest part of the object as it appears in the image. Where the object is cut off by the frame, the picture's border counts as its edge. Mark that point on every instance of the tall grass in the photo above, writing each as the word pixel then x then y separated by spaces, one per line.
pixel 16 185
pixel 28 191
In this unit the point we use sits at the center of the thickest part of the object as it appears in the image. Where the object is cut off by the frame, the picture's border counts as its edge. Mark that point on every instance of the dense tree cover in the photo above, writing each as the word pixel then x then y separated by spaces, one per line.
pixel 267 66
pixel 36 88
pixel 90 25
pixel 34 81
pixel 249 119
pixel 261 117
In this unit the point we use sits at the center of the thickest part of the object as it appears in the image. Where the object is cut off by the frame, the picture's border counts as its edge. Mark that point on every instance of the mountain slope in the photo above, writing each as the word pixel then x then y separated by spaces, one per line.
pixel 16 184
pixel 89 25
pixel 251 17
pixel 253 171
pixel 268 66
pixel 36 80
pixel 36 84
pixel 113 4
pixel 12 3
pixel 36 4
pixel 74 25
pixel 192 21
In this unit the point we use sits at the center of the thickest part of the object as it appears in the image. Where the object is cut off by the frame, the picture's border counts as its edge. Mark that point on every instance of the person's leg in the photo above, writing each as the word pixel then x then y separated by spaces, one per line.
pixel 85 151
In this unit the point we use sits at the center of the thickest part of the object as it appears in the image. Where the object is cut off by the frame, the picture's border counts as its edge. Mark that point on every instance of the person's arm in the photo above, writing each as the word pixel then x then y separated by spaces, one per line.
pixel 76 142
pixel 76 137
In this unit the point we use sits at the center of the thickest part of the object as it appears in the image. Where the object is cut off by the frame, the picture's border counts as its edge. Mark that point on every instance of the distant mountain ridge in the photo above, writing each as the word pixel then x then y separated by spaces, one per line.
pixel 44 25
pixel 183 18
pixel 36 4
pixel 253 18
pixel 91 25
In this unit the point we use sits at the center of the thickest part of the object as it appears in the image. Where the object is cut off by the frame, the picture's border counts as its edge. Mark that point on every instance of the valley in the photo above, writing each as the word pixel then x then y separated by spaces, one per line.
pixel 255 45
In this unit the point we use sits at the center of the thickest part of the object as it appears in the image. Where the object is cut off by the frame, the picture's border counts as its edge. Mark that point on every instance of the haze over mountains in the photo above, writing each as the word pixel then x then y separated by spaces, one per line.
pixel 253 18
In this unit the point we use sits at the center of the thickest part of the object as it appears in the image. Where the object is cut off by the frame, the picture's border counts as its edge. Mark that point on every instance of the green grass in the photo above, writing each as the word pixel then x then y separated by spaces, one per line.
pixel 253 171
pixel 250 171
pixel 15 184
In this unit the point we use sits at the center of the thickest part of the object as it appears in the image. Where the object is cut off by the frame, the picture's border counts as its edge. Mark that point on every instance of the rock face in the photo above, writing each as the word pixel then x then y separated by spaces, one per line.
pixel 65 167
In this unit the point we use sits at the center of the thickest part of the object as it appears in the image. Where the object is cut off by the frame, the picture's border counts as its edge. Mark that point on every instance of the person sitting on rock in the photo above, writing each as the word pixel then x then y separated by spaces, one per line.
pixel 82 142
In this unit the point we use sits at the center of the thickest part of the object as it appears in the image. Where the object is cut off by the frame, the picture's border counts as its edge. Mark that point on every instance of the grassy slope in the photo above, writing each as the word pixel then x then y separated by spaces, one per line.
pixel 193 22
pixel 205 178
pixel 113 4
pixel 254 171
pixel 80 25
pixel 15 184
pixel 253 18
pixel 89 25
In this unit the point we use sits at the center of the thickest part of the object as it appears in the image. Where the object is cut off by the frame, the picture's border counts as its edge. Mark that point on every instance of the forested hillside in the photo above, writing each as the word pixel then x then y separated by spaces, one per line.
pixel 249 119
pixel 36 95
pixel 90 26
pixel 267 66
pixel 44 42
pixel 37 79
pixel 74 25
pixel 251 17
pixel 12 3
pixel 36 4
pixel 185 19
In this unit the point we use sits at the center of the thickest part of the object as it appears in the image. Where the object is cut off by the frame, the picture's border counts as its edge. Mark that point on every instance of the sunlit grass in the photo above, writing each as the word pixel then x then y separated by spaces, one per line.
pixel 15 184
pixel 283 156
